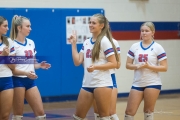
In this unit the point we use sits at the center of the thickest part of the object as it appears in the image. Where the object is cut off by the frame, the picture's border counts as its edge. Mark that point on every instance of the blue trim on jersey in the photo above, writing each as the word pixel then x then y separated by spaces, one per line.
pixel 147 47
pixel 12 49
pixel 118 49
pixel 131 53
pixel 110 50
pixel 21 43
pixel 92 41
pixel 161 56
pixel 114 80
pixel 1 43
pixel 82 48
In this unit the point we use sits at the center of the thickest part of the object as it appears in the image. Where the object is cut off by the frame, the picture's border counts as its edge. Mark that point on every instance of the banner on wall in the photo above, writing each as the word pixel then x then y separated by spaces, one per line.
pixel 81 25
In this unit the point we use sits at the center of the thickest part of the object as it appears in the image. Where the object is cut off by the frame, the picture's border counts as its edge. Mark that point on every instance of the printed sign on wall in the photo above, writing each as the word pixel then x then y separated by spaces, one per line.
pixel 81 25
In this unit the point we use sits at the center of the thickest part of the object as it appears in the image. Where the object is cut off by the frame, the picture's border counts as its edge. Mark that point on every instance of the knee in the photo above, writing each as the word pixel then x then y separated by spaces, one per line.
pixel 148 110
pixel 130 112
pixel 103 114
pixel 40 113
pixel 4 116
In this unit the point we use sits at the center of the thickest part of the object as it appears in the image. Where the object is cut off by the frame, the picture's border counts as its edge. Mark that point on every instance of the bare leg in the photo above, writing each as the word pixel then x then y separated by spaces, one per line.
pixel 150 97
pixel 84 102
pixel 33 97
pixel 102 96
pixel 6 100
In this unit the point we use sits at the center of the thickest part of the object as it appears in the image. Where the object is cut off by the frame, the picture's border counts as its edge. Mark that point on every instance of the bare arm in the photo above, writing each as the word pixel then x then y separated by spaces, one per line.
pixel 130 65
pixel 78 58
pixel 29 74
pixel 161 68
pixel 16 71
pixel 111 64
pixel 42 65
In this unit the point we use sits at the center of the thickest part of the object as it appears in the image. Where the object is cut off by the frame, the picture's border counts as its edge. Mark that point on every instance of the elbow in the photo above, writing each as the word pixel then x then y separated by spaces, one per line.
pixel 165 70
pixel 11 66
pixel 76 64
pixel 118 65
pixel 13 71
pixel 127 66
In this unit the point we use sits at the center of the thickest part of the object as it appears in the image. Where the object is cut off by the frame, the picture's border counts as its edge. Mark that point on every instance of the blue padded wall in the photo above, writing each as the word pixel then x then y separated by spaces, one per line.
pixel 49 34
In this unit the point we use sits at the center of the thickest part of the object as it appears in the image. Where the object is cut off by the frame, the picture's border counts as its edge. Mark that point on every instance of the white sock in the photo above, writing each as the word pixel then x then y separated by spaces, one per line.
pixel 41 117
pixel 114 117
pixel 96 116
pixel 17 117
pixel 128 117
pixel 148 116
pixel 77 118
pixel 105 118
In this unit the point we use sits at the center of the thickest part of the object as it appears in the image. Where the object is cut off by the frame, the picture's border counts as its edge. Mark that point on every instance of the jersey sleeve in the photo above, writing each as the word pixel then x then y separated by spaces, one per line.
pixel 106 46
pixel 11 47
pixel 117 46
pixel 161 54
pixel 131 52
pixel 82 49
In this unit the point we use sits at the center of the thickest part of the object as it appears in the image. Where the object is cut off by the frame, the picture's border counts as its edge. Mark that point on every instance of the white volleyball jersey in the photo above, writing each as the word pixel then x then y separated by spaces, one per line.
pixel 97 78
pixel 26 49
pixel 112 71
pixel 154 53
pixel 5 71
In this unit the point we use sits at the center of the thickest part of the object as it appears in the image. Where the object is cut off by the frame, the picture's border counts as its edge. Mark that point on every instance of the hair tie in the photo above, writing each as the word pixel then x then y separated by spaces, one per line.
pixel 16 16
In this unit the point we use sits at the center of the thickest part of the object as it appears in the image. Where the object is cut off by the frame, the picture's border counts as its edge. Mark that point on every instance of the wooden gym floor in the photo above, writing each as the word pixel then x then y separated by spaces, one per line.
pixel 167 108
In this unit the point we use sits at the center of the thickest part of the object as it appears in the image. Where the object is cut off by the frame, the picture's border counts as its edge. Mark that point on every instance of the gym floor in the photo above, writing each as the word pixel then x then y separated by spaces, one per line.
pixel 167 108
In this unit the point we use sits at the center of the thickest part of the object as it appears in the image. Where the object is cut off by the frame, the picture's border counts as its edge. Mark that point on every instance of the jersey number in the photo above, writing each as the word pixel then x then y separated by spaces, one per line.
pixel 143 57
pixel 28 53
pixel 88 53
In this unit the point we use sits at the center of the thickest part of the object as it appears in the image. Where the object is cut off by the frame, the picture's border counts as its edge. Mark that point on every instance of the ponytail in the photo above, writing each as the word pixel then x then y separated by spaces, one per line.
pixel 14 31
pixel 16 21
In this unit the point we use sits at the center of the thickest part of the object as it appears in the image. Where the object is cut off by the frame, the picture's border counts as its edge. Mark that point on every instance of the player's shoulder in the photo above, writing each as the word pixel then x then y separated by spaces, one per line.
pixel 7 38
pixel 115 41
pixel 29 40
pixel 157 44
pixel 105 40
pixel 10 40
pixel 88 40
pixel 136 44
